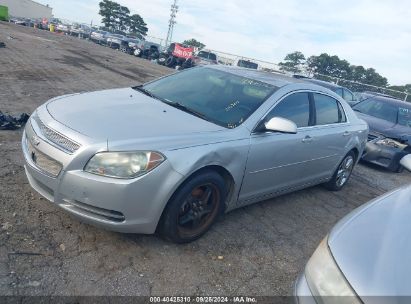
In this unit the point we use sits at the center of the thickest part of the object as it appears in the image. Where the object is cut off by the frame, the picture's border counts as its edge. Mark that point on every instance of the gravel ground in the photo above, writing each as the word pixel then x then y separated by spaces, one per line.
pixel 256 250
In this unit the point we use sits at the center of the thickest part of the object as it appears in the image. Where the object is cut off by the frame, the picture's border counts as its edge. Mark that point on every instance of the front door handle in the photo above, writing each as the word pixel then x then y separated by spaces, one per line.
pixel 307 139
pixel 346 133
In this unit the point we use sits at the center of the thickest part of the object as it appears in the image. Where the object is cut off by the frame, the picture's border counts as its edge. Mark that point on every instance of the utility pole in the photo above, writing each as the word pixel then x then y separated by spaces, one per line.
pixel 171 23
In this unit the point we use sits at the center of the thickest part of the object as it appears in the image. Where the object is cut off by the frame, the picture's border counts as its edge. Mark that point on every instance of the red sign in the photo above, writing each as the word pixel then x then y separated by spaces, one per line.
pixel 183 52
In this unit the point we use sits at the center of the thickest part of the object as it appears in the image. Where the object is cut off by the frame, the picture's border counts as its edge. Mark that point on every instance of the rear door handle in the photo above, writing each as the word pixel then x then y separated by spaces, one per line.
pixel 307 139
pixel 346 133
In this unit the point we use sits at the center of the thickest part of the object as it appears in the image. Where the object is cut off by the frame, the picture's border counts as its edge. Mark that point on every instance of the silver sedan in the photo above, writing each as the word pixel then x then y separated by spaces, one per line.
pixel 366 257
pixel 174 154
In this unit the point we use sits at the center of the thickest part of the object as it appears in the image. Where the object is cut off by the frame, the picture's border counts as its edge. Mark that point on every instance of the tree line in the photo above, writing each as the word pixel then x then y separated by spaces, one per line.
pixel 117 19
pixel 333 66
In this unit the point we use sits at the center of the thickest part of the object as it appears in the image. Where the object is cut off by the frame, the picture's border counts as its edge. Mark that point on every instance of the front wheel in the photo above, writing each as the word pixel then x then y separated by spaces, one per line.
pixel 342 174
pixel 194 208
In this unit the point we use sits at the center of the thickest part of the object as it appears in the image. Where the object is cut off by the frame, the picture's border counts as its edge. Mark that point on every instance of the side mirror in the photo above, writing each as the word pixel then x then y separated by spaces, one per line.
pixel 279 124
pixel 406 162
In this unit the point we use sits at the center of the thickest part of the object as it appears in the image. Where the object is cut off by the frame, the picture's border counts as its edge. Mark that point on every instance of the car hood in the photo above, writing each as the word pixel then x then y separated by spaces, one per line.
pixel 372 246
pixel 125 115
pixel 386 128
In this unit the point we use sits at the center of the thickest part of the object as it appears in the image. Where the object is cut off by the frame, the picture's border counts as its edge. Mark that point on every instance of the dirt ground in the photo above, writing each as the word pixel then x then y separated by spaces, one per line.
pixel 43 251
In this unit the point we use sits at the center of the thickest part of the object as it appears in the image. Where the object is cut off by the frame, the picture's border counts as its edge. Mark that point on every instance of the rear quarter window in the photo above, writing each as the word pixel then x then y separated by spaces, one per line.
pixel 328 110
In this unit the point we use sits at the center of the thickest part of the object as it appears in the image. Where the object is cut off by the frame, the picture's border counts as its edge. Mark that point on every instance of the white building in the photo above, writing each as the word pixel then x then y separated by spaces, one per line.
pixel 27 9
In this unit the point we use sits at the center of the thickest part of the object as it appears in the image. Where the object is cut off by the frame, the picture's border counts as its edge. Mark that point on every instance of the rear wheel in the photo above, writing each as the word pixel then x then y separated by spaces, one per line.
pixel 342 174
pixel 194 208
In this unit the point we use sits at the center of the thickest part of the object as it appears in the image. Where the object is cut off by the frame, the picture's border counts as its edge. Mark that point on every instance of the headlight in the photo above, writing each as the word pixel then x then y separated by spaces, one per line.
pixel 389 142
pixel 326 282
pixel 123 164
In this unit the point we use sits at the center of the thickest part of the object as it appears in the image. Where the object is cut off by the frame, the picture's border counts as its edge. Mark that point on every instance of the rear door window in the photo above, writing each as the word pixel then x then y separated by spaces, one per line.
pixel 328 110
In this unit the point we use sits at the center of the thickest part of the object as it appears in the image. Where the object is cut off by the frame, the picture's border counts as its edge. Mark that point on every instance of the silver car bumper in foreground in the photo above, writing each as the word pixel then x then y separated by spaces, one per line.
pixel 302 293
pixel 130 206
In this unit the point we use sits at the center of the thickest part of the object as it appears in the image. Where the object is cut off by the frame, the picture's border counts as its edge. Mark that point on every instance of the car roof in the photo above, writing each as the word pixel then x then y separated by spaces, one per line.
pixel 328 85
pixel 278 80
pixel 389 100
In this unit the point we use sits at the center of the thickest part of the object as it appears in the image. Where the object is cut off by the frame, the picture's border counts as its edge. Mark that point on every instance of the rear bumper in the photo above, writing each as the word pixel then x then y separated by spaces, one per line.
pixel 129 206
pixel 382 155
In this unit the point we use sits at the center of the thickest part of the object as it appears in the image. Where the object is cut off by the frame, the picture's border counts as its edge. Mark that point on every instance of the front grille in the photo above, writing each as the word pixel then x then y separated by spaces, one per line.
pixel 106 214
pixel 43 162
pixel 61 141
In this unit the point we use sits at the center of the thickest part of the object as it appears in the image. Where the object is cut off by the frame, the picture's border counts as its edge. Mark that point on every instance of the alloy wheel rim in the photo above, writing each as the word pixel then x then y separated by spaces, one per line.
pixel 198 210
pixel 344 170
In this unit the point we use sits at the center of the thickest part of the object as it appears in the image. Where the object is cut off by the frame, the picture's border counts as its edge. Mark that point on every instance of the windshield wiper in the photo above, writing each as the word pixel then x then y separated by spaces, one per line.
pixel 184 108
pixel 172 103
pixel 144 91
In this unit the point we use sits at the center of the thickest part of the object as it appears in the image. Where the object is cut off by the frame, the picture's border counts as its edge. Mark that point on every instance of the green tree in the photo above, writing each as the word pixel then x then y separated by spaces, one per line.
pixel 293 62
pixel 122 15
pixel 357 73
pixel 116 18
pixel 136 25
pixel 329 65
pixel 373 78
pixel 108 10
pixel 193 42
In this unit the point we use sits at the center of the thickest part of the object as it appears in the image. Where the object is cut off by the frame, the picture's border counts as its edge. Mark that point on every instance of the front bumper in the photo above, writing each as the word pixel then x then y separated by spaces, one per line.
pixel 385 156
pixel 130 206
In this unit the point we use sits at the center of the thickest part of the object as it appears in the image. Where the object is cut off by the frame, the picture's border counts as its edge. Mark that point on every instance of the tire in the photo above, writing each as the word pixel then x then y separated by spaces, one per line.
pixel 193 208
pixel 342 174
pixel 399 169
pixel 170 62
pixel 161 61
pixel 187 64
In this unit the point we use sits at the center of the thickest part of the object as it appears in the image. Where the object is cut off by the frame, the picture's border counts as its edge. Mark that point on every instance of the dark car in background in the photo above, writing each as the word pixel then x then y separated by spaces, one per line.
pixel 20 21
pixel 205 58
pixel 247 64
pixel 389 139
pixel 99 37
pixel 115 40
pixel 342 91
pixel 80 30
pixel 146 49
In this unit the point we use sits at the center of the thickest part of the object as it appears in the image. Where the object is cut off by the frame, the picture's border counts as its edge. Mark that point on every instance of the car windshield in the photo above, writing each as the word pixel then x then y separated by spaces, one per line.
pixel 220 97
pixel 397 114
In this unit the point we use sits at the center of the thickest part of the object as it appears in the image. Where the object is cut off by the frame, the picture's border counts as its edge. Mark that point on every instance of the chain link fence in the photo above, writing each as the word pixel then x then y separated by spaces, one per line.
pixel 362 87
pixel 238 60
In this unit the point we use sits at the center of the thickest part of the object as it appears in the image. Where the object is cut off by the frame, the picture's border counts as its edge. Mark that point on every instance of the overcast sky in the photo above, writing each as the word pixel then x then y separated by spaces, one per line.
pixel 372 33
